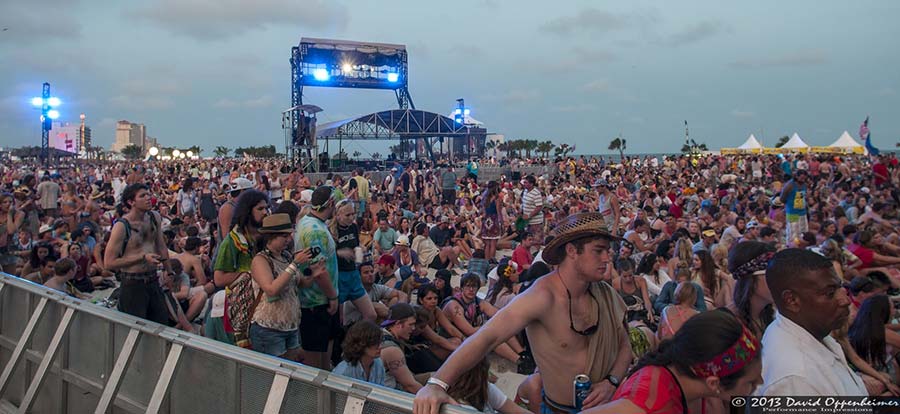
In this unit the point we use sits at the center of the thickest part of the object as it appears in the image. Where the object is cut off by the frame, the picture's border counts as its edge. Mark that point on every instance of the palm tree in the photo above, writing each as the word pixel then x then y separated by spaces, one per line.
pixel 490 145
pixel 376 155
pixel 545 147
pixel 221 151
pixel 132 152
pixel 356 154
pixel 781 141
pixel 618 144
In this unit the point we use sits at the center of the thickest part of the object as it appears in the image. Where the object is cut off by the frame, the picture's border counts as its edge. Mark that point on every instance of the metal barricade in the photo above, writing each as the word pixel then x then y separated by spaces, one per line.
pixel 64 355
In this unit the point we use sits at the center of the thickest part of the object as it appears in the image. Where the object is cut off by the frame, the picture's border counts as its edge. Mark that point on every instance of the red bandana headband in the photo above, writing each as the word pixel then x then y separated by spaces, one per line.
pixel 732 360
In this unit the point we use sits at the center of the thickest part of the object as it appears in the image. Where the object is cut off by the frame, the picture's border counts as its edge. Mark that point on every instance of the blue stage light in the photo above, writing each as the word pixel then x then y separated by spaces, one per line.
pixel 393 77
pixel 37 101
pixel 52 114
pixel 321 75
pixel 467 111
pixel 53 101
pixel 457 111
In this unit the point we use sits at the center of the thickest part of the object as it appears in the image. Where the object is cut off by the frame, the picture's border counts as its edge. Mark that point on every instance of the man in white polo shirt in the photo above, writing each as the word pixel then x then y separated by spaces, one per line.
pixel 799 355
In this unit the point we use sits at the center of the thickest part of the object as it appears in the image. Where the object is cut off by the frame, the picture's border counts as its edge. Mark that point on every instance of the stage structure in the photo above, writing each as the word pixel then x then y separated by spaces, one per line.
pixel 339 64
pixel 416 130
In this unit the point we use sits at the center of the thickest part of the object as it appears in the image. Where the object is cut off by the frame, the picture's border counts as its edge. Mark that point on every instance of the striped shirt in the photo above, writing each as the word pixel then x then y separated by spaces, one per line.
pixel 531 200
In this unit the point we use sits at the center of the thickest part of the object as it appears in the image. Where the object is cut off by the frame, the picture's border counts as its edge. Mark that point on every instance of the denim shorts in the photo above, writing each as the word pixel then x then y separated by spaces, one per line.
pixel 349 286
pixel 273 342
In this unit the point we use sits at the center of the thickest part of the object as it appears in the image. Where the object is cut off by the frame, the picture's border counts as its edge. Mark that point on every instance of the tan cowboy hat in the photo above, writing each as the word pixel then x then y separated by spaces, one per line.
pixel 574 227
pixel 277 223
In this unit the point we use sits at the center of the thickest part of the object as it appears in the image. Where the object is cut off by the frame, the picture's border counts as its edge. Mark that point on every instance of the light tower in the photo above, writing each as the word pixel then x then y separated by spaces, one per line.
pixel 48 114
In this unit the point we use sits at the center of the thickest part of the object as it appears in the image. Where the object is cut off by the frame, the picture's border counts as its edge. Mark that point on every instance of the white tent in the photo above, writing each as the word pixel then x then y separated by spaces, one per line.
pixel 751 144
pixel 795 143
pixel 845 141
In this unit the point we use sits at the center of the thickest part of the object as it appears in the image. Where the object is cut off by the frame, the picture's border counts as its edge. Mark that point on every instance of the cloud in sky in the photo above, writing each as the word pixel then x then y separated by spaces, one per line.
pixel 597 85
pixel 595 21
pixel 38 20
pixel 220 19
pixel 737 113
pixel 264 101
pixel 697 32
pixel 514 96
pixel 808 57
pixel 886 92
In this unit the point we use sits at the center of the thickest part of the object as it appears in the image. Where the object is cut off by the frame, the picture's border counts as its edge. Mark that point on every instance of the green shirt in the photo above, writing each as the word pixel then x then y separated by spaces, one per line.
pixel 235 254
pixel 312 232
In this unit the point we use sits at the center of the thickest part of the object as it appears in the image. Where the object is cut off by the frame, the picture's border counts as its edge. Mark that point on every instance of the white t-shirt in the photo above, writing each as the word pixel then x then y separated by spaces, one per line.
pixel 496 399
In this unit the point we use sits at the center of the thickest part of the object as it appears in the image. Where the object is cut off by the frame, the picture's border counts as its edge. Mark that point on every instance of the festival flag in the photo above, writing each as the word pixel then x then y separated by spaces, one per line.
pixel 864 135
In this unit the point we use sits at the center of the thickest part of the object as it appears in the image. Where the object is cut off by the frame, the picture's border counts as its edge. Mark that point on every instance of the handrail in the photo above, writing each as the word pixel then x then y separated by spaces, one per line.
pixel 318 379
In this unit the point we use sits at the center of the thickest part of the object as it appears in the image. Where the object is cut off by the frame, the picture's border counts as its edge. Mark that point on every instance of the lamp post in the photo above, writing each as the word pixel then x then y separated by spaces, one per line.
pixel 81 140
pixel 48 114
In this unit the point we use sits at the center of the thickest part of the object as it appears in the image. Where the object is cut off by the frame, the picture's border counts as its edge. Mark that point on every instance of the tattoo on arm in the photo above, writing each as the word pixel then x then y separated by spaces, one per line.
pixel 394 365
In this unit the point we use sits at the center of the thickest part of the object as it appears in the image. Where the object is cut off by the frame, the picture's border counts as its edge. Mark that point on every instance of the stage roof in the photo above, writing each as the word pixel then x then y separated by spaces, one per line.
pixel 392 124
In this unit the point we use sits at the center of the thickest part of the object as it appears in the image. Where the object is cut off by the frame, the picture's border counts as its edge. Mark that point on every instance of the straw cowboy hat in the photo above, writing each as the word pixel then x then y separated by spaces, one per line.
pixel 276 223
pixel 575 227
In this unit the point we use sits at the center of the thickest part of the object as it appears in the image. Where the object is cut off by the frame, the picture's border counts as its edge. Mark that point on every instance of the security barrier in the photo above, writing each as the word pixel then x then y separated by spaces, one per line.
pixel 63 355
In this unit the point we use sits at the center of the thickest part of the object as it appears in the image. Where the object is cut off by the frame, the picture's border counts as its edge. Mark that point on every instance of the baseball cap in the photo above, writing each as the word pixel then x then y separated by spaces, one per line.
pixel 45 228
pixel 240 183
pixel 386 260
pixel 398 312
pixel 306 196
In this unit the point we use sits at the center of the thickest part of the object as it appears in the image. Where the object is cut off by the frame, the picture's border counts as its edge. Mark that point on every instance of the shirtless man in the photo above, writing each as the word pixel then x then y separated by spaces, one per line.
pixel 136 263
pixel 193 266
pixel 575 325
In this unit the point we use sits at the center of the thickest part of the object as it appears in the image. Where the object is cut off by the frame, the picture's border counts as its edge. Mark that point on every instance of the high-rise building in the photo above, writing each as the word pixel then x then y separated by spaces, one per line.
pixel 127 134
pixel 66 136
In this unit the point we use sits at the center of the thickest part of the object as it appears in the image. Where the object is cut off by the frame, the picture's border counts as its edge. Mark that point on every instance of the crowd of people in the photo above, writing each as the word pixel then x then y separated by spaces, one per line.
pixel 673 284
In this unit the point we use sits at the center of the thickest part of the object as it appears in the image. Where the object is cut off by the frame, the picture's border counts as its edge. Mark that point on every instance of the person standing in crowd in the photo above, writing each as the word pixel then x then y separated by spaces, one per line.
pixel 48 192
pixel 533 207
pixel 238 186
pixel 12 221
pixel 596 340
pixel 276 316
pixel 235 257
pixel 793 195
pixel 319 303
pixel 799 355
pixel 346 236
pixel 492 223
pixel 135 250
pixel 608 206
pixel 448 185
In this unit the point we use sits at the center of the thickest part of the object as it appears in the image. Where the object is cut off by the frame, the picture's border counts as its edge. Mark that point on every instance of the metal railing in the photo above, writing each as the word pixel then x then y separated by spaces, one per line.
pixel 63 355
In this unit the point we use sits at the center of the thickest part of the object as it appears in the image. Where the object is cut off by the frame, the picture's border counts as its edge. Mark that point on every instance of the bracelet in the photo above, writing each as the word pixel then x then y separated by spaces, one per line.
pixel 292 269
pixel 439 383
pixel 331 299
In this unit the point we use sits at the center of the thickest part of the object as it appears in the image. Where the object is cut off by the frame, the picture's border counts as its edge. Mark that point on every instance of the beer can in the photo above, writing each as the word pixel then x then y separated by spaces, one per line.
pixel 582 387
pixel 358 251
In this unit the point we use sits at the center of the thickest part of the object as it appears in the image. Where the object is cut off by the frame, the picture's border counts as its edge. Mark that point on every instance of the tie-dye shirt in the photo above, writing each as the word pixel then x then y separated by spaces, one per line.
pixel 312 232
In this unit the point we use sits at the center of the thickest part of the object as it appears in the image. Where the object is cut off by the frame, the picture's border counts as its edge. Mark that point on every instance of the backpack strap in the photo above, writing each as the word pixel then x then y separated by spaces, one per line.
pixel 127 235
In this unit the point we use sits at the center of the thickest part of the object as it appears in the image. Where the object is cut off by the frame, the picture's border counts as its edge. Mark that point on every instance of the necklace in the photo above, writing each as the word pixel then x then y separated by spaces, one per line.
pixel 591 329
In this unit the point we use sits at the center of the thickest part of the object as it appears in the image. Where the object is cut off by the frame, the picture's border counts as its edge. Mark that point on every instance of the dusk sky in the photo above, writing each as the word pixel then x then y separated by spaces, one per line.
pixel 216 72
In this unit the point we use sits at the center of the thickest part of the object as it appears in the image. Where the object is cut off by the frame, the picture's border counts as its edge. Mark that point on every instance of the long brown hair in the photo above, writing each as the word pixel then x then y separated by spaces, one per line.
pixel 708 272
pixel 472 387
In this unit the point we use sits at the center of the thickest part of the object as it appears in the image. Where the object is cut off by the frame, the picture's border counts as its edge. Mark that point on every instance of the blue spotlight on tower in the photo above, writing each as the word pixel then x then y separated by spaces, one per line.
pixel 321 75
pixel 467 111
pixel 52 114
pixel 393 77
pixel 53 101
pixel 37 102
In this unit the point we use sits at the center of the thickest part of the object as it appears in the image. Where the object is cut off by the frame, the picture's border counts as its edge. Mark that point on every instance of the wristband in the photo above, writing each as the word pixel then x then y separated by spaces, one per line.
pixel 434 381
pixel 331 299
pixel 292 269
